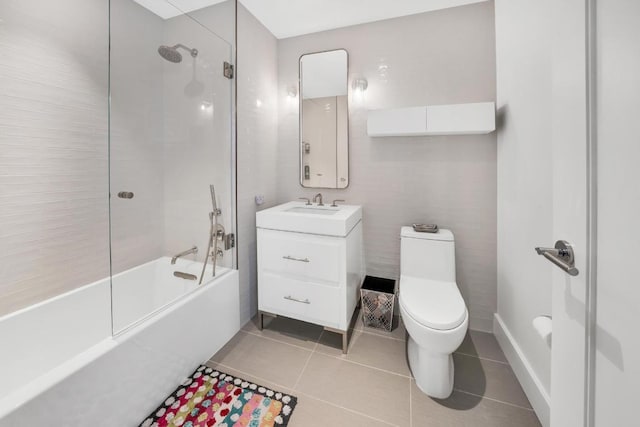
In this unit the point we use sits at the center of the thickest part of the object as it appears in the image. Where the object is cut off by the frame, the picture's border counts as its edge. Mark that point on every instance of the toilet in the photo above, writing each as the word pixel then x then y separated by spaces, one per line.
pixel 431 307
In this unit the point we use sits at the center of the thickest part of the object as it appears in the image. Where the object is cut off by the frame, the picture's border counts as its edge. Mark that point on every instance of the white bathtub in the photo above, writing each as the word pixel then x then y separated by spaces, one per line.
pixel 60 363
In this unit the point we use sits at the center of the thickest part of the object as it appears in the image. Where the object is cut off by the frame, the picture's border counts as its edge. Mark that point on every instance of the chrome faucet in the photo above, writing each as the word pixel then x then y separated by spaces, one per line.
pixel 193 250
pixel 318 197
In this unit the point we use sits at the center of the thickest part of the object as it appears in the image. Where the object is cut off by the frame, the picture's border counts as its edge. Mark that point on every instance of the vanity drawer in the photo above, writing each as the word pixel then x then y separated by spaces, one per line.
pixel 306 301
pixel 302 256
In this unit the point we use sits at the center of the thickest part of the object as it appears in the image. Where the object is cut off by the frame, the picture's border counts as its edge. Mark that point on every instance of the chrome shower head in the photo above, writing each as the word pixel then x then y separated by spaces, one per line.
pixel 171 54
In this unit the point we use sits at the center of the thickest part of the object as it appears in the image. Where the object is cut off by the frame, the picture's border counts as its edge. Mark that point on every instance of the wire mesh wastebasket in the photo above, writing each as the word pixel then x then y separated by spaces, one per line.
pixel 378 299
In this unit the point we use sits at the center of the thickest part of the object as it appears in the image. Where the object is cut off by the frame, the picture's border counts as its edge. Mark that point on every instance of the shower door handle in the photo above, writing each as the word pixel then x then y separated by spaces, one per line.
pixel 562 256
pixel 125 195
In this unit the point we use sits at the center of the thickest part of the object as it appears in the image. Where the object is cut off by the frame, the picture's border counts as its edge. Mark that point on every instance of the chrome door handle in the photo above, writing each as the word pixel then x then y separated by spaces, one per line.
pixel 290 298
pixel 292 258
pixel 562 256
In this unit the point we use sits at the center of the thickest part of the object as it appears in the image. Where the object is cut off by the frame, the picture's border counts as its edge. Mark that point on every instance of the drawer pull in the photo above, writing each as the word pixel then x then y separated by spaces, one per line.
pixel 290 298
pixel 291 258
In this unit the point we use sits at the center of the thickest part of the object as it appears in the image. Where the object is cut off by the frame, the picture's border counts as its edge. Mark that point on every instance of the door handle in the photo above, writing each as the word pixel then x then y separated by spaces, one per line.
pixel 562 256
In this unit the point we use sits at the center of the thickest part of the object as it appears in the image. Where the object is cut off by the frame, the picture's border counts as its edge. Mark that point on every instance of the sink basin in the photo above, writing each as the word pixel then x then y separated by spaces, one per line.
pixel 311 210
pixel 301 218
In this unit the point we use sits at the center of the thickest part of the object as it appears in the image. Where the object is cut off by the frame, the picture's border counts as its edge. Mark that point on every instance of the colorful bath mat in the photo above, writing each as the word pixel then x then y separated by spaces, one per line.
pixel 212 398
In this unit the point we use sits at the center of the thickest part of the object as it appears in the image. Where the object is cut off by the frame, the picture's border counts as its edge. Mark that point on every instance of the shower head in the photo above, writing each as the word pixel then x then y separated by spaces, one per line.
pixel 171 54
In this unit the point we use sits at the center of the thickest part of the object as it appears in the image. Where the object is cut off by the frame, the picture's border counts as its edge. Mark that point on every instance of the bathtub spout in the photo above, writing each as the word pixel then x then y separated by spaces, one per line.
pixel 193 250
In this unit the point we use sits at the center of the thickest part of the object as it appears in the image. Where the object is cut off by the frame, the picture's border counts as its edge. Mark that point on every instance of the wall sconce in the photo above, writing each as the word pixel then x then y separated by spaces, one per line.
pixel 292 91
pixel 360 84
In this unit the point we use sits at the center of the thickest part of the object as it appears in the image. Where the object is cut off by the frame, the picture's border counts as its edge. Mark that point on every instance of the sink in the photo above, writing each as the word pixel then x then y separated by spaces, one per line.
pixel 302 218
pixel 312 210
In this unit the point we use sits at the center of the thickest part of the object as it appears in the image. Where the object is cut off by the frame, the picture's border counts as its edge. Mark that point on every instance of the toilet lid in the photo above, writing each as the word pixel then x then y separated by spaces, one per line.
pixel 433 303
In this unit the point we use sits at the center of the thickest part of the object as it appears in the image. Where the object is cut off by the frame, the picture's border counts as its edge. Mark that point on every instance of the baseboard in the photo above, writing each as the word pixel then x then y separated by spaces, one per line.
pixel 482 325
pixel 530 382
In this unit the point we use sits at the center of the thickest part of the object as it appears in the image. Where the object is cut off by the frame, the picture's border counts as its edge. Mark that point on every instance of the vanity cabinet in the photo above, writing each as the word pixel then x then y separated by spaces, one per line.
pixel 310 277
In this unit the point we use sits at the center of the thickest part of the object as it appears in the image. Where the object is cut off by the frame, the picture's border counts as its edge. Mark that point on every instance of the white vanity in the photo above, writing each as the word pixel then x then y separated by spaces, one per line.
pixel 310 263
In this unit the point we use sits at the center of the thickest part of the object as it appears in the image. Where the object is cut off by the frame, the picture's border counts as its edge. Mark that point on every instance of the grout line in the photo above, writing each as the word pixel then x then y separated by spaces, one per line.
pixel 482 358
pixel 299 393
pixel 364 365
pixel 377 334
pixel 410 404
pixel 278 341
pixel 494 400
pixel 362 414
pixel 306 363
pixel 256 377
pixel 314 350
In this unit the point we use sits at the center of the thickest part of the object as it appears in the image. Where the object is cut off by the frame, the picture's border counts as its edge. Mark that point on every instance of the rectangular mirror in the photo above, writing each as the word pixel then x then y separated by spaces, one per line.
pixel 324 120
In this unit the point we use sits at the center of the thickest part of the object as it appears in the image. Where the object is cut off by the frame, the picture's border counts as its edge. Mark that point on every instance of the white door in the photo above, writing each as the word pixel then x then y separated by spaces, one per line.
pixel 617 355
pixel 570 211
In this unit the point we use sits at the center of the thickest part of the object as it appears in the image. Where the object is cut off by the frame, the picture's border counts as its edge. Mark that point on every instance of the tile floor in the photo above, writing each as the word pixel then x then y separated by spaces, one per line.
pixel 372 384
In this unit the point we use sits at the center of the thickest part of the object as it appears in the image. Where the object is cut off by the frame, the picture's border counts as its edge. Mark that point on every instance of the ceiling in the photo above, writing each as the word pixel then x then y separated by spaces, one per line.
pixel 170 8
pixel 289 18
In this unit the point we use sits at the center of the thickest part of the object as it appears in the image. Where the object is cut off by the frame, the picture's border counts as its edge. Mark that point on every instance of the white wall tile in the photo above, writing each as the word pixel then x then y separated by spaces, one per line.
pixel 257 143
pixel 53 148
pixel 442 57
pixel 54 151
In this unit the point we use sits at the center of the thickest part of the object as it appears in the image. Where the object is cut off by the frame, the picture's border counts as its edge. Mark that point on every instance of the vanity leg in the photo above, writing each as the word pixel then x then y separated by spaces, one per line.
pixel 345 337
pixel 260 320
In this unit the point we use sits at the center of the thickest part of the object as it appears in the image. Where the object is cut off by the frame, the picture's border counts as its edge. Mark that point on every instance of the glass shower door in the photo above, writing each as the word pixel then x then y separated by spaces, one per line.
pixel 170 141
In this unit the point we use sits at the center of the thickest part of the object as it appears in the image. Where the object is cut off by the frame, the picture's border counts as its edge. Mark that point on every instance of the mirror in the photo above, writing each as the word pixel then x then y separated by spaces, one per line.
pixel 324 120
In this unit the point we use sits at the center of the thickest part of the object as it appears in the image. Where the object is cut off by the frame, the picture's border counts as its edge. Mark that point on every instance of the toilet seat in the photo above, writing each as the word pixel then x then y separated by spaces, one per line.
pixel 433 303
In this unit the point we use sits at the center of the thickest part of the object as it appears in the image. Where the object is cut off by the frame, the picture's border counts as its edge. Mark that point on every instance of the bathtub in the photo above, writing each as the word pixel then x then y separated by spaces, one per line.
pixel 60 363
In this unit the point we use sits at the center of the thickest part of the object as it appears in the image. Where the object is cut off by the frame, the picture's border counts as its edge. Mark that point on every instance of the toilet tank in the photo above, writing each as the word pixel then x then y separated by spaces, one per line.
pixel 427 255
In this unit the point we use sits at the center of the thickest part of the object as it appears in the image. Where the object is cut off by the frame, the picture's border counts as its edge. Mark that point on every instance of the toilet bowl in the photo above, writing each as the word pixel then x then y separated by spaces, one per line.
pixel 432 308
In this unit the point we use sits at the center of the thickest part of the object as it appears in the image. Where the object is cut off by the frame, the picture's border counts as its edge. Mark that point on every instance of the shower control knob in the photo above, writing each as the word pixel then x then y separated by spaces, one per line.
pixel 125 195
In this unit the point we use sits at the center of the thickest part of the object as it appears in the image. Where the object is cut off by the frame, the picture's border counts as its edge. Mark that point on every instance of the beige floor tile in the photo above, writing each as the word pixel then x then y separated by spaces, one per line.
pixel 482 344
pixel 311 412
pixel 489 379
pixel 398 331
pixel 464 410
pixel 286 330
pixel 254 379
pixel 366 390
pixel 369 349
pixel 265 358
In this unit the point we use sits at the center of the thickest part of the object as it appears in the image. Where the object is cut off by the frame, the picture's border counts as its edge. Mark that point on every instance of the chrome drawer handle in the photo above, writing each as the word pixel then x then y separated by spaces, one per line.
pixel 290 298
pixel 292 258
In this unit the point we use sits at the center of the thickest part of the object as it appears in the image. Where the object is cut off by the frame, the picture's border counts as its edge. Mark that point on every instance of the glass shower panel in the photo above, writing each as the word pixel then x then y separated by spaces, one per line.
pixel 170 141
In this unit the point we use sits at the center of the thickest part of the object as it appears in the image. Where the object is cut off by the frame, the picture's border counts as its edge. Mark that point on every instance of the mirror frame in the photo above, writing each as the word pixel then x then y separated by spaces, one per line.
pixel 300 154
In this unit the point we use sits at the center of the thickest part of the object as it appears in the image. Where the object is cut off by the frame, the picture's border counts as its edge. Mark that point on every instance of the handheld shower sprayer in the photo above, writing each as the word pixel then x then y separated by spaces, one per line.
pixel 214 233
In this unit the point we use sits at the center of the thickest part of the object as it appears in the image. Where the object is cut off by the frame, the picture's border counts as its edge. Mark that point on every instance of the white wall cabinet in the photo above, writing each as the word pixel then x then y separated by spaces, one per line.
pixel 310 277
pixel 453 119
